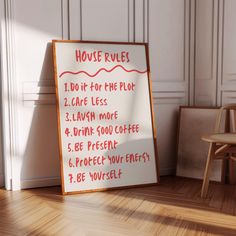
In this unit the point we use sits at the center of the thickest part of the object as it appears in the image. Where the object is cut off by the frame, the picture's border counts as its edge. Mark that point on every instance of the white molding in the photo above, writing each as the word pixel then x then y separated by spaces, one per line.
pixel 182 79
pixel 10 98
pixel 229 77
pixel 229 95
pixel 169 101
pixel 191 65
pixel 35 88
pixel 5 102
pixel 139 20
pixel 212 67
pixel 75 19
pixel 39 94
pixel 186 41
pixel 1 74
pixel 226 79
pixel 131 27
pixel 45 99
pixel 78 13
pixel 40 182
pixel 65 18
pixel 206 83
pixel 176 84
pixel 146 5
pixel 215 48
pixel 228 86
pixel 168 86
pixel 220 52
pixel 173 95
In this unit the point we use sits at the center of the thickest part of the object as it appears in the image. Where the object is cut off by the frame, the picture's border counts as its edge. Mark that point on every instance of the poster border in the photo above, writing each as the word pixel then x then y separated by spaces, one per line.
pixel 59 123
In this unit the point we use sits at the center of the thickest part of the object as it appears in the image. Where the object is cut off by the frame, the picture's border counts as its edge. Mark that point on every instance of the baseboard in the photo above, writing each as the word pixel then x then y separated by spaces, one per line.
pixel 54 181
pixel 40 182
pixel 1 180
pixel 167 171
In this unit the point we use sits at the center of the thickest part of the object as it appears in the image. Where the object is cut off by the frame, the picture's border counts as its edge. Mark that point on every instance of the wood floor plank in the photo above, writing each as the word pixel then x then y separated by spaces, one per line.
pixel 172 208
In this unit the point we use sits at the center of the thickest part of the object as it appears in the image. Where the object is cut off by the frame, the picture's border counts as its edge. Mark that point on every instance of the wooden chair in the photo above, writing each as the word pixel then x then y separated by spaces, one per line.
pixel 222 144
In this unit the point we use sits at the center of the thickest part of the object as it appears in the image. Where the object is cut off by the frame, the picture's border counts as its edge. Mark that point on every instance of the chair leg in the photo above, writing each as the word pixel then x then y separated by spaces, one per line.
pixel 223 171
pixel 232 177
pixel 205 183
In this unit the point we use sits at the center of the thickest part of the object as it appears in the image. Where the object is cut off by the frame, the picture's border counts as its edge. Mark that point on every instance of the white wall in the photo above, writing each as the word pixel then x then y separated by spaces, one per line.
pixel 206 50
pixel 190 64
pixel 38 144
pixel 168 45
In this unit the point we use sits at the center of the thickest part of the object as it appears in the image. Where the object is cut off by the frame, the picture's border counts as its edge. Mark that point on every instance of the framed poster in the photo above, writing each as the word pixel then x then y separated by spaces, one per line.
pixel 194 122
pixel 105 116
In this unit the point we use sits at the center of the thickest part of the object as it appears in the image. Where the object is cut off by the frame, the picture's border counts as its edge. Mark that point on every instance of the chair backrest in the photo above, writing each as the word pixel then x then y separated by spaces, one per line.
pixel 228 112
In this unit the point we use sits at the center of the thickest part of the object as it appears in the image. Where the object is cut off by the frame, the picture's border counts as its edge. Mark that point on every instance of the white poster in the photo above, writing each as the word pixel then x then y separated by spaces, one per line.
pixel 105 115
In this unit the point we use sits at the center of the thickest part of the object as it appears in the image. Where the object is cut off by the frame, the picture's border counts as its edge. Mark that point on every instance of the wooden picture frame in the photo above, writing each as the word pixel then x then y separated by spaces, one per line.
pixel 191 150
pixel 64 52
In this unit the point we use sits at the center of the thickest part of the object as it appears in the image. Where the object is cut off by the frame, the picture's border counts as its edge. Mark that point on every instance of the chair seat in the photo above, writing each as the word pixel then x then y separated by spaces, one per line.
pixel 224 138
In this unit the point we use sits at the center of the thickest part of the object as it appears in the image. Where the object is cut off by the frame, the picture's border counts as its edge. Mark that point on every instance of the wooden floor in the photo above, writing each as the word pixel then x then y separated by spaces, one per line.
pixel 172 208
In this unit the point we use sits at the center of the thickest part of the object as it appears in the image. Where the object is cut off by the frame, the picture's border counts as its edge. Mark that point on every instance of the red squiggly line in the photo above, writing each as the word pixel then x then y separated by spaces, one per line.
pixel 101 69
